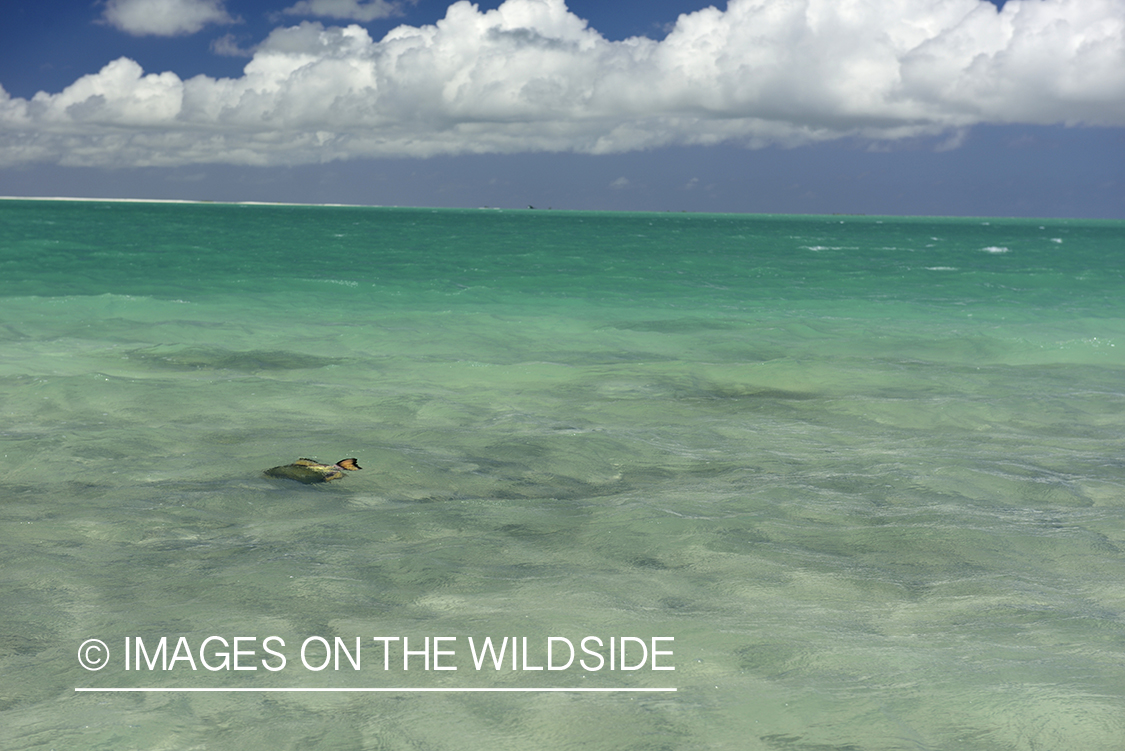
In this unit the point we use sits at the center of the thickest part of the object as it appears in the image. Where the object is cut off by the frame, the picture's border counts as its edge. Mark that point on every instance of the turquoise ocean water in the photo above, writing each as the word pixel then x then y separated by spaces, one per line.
pixel 862 477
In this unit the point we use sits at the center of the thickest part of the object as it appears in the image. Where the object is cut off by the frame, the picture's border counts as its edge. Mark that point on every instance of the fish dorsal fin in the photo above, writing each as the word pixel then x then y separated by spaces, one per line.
pixel 307 463
pixel 348 464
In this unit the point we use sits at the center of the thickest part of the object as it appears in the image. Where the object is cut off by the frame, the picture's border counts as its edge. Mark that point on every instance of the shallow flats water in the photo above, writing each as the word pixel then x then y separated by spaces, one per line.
pixel 859 481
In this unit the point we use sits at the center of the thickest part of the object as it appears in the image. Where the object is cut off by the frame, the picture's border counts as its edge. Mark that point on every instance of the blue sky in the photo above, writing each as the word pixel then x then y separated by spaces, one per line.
pixel 936 107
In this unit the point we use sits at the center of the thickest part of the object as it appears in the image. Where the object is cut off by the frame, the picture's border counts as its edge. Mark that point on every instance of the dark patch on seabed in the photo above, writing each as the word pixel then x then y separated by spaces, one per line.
pixel 793 742
pixel 215 358
pixel 743 391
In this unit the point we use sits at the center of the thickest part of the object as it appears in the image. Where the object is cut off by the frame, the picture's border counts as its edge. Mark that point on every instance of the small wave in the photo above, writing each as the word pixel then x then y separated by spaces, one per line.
pixel 995 249
pixel 941 268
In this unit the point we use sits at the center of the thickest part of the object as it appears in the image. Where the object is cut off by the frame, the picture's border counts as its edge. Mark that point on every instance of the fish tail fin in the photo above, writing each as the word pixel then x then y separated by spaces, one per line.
pixel 348 464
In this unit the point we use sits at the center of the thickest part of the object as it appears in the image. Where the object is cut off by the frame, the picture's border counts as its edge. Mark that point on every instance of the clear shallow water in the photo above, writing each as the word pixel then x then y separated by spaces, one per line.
pixel 866 472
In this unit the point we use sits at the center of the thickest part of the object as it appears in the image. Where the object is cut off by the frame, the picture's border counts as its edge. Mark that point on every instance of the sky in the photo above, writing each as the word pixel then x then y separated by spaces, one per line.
pixel 907 107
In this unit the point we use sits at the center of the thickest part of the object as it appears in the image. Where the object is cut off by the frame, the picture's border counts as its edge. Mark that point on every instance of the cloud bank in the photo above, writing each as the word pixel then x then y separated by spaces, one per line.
pixel 532 76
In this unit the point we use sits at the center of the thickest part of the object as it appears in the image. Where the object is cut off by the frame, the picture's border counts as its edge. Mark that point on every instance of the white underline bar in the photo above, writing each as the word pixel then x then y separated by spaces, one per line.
pixel 385 690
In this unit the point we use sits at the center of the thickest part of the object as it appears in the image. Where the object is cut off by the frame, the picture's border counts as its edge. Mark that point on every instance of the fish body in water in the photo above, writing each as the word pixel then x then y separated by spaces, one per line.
pixel 310 471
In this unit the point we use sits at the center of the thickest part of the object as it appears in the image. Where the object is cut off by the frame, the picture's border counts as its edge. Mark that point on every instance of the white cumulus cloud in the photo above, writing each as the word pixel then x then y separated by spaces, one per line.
pixel 164 17
pixel 227 46
pixel 363 11
pixel 532 76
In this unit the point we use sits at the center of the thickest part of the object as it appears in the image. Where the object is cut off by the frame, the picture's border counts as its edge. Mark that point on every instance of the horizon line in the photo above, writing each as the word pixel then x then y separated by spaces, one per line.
pixel 549 209
pixel 379 690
